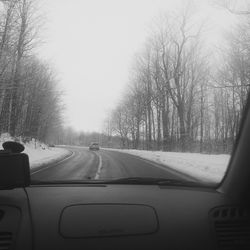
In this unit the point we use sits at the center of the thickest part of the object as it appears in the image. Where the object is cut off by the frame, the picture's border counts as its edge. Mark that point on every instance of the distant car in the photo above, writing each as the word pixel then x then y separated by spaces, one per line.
pixel 51 145
pixel 94 146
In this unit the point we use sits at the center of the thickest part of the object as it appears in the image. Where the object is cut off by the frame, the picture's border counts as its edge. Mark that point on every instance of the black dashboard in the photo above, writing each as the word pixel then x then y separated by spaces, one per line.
pixel 118 217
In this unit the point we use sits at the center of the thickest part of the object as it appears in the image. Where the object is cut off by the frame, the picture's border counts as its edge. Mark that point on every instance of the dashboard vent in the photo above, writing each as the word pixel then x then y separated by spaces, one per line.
pixel 5 240
pixel 232 227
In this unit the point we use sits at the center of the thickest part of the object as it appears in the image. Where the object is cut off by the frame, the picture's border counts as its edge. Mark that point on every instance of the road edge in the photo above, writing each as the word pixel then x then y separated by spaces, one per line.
pixel 162 166
pixel 52 162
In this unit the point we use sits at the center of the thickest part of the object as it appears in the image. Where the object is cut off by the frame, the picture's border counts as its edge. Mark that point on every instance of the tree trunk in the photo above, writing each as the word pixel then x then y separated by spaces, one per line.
pixel 183 135
pixel 165 123
pixel 202 114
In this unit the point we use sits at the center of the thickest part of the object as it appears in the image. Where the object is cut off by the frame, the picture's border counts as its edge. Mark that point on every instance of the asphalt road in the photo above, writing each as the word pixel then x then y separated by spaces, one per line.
pixel 103 164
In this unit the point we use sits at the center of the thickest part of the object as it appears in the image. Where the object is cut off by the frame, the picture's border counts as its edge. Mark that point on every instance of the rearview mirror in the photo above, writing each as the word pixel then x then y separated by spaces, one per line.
pixel 14 166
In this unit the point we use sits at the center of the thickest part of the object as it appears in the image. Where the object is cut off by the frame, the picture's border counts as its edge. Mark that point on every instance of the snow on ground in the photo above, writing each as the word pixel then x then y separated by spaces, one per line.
pixel 39 153
pixel 204 167
pixel 39 157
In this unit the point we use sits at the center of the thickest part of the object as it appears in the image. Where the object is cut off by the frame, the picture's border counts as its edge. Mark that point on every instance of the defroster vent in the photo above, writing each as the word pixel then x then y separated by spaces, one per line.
pixel 232 227
pixel 5 240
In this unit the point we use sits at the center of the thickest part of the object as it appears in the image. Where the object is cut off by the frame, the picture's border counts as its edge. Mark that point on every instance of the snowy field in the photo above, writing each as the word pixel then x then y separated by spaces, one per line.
pixel 204 167
pixel 39 153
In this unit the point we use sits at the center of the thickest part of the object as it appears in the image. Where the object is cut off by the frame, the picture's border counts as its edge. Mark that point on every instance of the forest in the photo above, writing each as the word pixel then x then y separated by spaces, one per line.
pixel 30 100
pixel 182 95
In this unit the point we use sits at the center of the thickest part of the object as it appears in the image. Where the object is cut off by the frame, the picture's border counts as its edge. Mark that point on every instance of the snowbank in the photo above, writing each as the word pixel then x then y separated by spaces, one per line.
pixel 39 153
pixel 208 168
pixel 39 157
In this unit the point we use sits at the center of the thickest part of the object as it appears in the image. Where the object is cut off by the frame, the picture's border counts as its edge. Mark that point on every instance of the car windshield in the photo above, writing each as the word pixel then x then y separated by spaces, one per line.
pixel 135 91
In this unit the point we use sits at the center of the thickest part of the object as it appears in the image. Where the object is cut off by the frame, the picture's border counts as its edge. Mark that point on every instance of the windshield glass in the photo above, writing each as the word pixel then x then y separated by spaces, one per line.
pixel 135 90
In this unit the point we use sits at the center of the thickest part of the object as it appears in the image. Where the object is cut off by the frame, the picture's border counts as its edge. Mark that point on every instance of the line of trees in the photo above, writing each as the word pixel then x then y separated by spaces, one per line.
pixel 69 136
pixel 30 103
pixel 180 98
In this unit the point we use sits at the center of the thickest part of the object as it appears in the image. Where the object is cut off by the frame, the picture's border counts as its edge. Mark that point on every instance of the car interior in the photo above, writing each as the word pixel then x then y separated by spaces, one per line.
pixel 113 215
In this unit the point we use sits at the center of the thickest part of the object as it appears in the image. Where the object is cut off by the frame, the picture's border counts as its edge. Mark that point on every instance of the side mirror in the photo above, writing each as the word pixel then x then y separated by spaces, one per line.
pixel 14 166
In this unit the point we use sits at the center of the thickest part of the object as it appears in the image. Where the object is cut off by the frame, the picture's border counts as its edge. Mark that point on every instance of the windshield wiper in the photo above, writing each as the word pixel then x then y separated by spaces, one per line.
pixel 129 180
pixel 154 181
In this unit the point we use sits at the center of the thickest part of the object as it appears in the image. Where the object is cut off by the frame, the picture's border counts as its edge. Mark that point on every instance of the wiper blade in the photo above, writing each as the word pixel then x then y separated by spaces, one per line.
pixel 87 181
pixel 154 181
pixel 129 180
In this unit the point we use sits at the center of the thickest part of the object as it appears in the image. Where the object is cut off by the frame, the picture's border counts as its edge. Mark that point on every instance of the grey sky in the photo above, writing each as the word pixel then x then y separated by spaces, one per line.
pixel 92 43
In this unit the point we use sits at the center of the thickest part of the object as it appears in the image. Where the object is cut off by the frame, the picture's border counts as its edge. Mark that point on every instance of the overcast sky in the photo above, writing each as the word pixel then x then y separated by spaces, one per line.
pixel 91 44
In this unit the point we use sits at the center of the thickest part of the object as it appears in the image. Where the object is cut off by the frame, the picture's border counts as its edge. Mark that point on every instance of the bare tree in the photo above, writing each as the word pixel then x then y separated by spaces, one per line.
pixel 30 103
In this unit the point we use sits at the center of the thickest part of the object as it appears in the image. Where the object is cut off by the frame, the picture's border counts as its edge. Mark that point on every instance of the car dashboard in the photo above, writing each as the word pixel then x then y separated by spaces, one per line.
pixel 119 217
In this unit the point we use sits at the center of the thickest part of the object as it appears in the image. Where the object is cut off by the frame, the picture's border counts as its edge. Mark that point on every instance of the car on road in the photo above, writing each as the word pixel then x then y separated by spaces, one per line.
pixel 94 146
